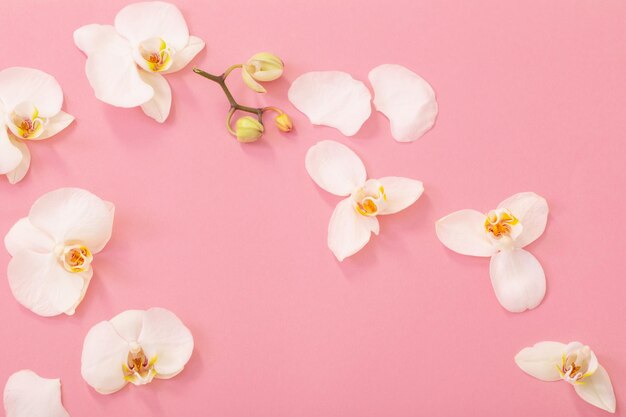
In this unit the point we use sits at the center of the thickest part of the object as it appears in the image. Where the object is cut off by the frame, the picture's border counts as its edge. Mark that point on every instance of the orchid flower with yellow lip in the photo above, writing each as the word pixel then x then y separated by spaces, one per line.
pixel 26 394
pixel 126 62
pixel 573 363
pixel 30 109
pixel 517 277
pixel 135 346
pixel 338 170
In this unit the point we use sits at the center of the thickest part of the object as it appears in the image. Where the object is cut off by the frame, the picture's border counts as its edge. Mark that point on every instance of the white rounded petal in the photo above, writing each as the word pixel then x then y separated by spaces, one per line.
pixel 94 37
pixel 349 231
pixel 185 55
pixel 73 214
pixel 532 211
pixel 542 360
pixel 26 394
pixel 159 106
pixel 598 390
pixel 40 283
pixel 128 324
pixel 104 353
pixel 335 167
pixel 400 192
pixel 518 280
pixel 24 236
pixel 10 154
pixel 464 232
pixel 165 336
pixel 20 171
pixel 155 19
pixel 406 99
pixel 56 124
pixel 332 98
pixel 19 85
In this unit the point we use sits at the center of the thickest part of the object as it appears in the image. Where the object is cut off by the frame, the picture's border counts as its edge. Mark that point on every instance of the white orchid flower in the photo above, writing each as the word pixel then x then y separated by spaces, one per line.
pixel 135 346
pixel 338 170
pixel 26 394
pixel 573 363
pixel 30 109
pixel 53 249
pixel 125 62
pixel 517 277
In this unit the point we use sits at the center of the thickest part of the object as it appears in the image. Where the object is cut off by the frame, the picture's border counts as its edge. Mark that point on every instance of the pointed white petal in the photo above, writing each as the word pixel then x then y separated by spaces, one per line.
pixel 400 192
pixel 406 99
pixel 335 167
pixel 185 55
pixel 598 390
pixel 104 353
pixel 21 170
pixel 26 394
pixel 532 211
pixel 40 283
pixel 56 124
pixel 332 98
pixel 166 337
pixel 159 106
pixel 518 280
pixel 19 85
pixel 541 360
pixel 10 155
pixel 73 214
pixel 348 231
pixel 464 232
pixel 23 236
pixel 154 19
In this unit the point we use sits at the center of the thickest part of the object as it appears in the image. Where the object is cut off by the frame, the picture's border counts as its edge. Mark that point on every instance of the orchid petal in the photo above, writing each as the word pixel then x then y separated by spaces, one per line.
pixel 335 167
pixel 155 19
pixel 26 394
pixel 332 98
pixel 532 211
pixel 159 106
pixel 406 99
pixel 518 280
pixel 251 82
pixel 597 389
pixel 27 85
pixel 349 231
pixel 10 155
pixel 542 360
pixel 400 193
pixel 464 232
pixel 128 324
pixel 185 55
pixel 21 170
pixel 24 236
pixel 55 125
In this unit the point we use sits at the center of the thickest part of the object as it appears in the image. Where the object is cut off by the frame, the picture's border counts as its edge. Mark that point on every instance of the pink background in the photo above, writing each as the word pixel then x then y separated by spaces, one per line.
pixel 232 237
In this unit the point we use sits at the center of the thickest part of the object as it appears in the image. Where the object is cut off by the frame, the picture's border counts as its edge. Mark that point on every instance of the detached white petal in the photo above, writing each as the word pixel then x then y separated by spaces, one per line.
pixel 159 106
pixel 11 155
pixel 26 394
pixel 518 280
pixel 56 124
pixel 348 231
pixel 28 85
pixel 532 211
pixel 332 98
pixel 335 167
pixel 464 232
pixel 598 390
pixel 400 193
pixel 406 99
pixel 542 360
pixel 21 170
pixel 185 55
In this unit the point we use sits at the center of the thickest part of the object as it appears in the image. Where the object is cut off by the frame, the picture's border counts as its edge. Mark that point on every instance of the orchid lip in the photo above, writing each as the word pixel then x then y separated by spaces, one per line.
pixel 369 199
pixel 154 55
pixel 75 257
pixel 24 121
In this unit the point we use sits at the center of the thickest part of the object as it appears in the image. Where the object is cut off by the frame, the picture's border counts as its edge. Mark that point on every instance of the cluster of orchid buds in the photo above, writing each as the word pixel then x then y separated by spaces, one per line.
pixel 261 67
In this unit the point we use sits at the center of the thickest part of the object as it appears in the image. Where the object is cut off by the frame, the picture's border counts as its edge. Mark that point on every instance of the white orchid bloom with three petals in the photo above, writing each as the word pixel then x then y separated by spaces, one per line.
pixel 30 109
pixel 125 62
pixel 338 170
pixel 573 363
pixel 53 249
pixel 26 394
pixel 135 346
pixel 516 275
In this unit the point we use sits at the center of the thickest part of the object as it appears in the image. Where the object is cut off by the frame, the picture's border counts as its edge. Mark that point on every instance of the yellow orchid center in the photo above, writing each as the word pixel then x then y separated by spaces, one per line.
pixel 138 369
pixel 25 123
pixel 77 258
pixel 369 199
pixel 156 54
pixel 575 365
pixel 500 223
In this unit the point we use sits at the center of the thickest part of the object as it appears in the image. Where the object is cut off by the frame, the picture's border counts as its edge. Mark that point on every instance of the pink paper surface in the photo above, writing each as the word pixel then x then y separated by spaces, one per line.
pixel 232 238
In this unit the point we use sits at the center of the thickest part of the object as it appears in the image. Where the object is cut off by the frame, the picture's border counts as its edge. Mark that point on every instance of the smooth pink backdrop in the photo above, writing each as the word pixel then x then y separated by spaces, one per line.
pixel 232 237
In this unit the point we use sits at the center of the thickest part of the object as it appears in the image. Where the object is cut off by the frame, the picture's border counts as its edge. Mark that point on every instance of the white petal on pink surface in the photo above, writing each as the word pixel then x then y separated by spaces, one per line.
pixel 26 394
pixel 20 171
pixel 10 154
pixel 24 236
pixel 159 106
pixel 532 211
pixel 464 232
pixel 400 192
pixel 541 360
pixel 335 167
pixel 349 231
pixel 185 55
pixel 55 125
pixel 598 390
pixel 28 85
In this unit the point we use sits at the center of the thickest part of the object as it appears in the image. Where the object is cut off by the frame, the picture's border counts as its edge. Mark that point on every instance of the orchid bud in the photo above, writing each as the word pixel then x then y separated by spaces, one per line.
pixel 248 129
pixel 262 67
pixel 283 122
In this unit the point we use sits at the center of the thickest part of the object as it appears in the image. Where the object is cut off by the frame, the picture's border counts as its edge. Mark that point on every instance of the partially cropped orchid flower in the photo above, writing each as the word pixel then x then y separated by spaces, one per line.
pixel 573 363
pixel 30 109
pixel 126 62
pixel 53 249
pixel 517 277
pixel 26 394
pixel 135 346
pixel 338 170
